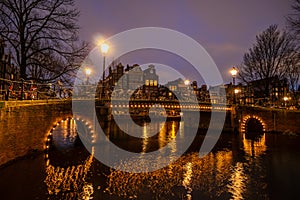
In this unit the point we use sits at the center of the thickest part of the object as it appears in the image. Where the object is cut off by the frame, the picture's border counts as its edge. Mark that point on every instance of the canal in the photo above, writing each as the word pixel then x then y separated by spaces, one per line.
pixel 241 166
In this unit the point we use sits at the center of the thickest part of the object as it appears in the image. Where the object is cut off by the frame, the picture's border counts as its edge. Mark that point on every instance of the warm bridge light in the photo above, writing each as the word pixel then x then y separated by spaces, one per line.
pixel 104 48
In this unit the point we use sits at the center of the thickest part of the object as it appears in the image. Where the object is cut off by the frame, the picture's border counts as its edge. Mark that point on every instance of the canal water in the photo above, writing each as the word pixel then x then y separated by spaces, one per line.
pixel 241 166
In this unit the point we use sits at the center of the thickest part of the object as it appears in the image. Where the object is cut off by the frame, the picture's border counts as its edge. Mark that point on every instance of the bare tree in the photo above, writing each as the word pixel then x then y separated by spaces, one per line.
pixel 271 56
pixel 293 21
pixel 293 76
pixel 43 36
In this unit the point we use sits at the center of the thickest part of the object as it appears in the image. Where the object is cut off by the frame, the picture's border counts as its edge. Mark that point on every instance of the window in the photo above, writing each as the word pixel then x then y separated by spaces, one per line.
pixel 147 82
pixel 151 82
pixel 155 82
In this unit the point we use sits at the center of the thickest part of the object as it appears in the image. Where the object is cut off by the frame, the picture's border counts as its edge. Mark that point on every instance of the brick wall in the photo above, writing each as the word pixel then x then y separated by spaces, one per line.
pixel 24 125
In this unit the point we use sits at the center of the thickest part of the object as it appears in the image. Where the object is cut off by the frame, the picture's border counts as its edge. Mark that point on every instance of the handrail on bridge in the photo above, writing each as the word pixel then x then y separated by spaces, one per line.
pixel 28 90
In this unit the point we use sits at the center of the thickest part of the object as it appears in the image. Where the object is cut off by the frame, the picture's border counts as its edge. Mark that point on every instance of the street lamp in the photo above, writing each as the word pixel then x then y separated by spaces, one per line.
pixel 233 73
pixel 187 82
pixel 88 72
pixel 104 49
pixel 285 99
pixel 236 92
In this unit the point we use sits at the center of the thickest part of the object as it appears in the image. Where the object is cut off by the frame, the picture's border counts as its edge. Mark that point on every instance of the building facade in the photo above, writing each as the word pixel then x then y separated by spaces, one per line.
pixel 8 72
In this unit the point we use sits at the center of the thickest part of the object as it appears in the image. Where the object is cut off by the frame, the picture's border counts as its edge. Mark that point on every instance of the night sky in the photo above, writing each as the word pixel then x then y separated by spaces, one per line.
pixel 226 29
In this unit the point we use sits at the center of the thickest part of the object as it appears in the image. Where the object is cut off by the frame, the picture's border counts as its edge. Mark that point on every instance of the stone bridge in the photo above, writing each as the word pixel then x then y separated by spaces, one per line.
pixel 250 118
pixel 25 125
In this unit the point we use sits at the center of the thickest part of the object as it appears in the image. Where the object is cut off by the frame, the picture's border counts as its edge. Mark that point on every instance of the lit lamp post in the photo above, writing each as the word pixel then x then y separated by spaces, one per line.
pixel 104 50
pixel 285 99
pixel 236 92
pixel 88 72
pixel 187 83
pixel 233 73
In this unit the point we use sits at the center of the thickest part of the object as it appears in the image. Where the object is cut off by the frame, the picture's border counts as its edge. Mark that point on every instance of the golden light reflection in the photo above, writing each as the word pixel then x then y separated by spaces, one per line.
pixel 145 140
pixel 162 135
pixel 188 179
pixel 189 172
pixel 238 181
pixel 254 147
pixel 69 181
pixel 173 130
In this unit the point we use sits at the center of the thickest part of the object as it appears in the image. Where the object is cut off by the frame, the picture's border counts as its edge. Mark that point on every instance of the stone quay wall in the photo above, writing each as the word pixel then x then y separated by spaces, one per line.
pixel 24 125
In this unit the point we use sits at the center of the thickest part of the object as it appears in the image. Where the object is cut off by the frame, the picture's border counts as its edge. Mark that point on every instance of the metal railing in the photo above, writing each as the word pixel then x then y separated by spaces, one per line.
pixel 29 90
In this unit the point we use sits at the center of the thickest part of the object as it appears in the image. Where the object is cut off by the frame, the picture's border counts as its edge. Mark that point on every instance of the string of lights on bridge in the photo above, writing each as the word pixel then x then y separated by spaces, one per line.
pixel 170 106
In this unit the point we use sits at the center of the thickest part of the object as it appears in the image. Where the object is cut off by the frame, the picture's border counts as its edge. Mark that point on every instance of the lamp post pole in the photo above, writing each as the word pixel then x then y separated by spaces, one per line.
pixel 103 76
pixel 104 50
pixel 88 72
pixel 233 72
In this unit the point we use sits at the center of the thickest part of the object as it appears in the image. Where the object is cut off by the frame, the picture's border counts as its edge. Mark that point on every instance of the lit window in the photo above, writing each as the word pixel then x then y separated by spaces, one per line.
pixel 155 82
pixel 147 82
pixel 151 82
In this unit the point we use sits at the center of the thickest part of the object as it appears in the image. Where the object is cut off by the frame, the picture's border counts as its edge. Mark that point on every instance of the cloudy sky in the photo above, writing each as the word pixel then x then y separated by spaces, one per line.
pixel 226 29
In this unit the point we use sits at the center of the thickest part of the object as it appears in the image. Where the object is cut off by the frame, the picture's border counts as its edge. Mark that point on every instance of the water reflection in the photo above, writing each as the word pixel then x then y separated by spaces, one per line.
pixel 188 173
pixel 255 145
pixel 238 181
pixel 188 179
pixel 217 175
pixel 149 142
pixel 237 168
pixel 64 134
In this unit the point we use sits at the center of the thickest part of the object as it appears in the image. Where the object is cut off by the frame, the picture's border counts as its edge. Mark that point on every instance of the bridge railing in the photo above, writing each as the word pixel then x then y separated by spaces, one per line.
pixel 29 90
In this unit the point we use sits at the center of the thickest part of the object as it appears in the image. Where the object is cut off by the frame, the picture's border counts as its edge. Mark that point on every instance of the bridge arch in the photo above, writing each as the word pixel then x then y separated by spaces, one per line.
pixel 252 122
pixel 81 125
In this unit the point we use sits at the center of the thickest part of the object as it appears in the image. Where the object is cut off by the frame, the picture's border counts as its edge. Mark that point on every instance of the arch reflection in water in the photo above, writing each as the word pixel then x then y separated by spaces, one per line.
pixel 67 182
pixel 254 147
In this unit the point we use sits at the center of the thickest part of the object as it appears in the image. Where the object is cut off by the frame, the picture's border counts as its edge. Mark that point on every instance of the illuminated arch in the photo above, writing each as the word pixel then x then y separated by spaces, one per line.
pixel 253 147
pixel 246 119
pixel 87 124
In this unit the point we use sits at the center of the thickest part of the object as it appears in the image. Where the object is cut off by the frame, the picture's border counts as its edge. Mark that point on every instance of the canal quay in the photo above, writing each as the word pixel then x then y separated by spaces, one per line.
pixel 43 156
